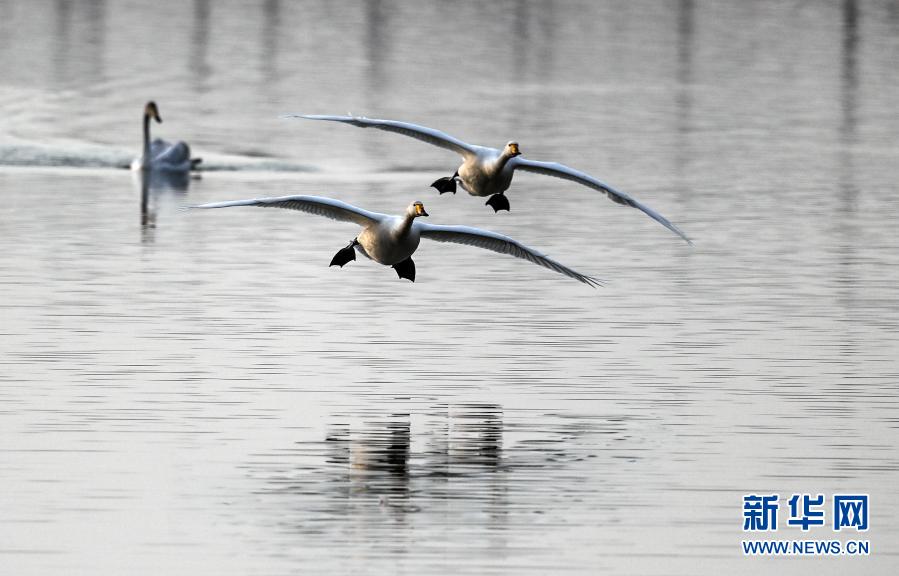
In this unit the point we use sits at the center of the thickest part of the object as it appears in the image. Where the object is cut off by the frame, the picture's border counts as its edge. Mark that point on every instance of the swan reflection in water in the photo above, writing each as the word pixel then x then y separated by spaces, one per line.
pixel 390 458
pixel 155 185
pixel 389 466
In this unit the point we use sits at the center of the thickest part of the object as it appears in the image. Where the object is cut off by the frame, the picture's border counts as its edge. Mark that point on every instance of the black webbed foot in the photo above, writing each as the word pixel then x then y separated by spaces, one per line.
pixel 447 184
pixel 498 202
pixel 405 269
pixel 345 255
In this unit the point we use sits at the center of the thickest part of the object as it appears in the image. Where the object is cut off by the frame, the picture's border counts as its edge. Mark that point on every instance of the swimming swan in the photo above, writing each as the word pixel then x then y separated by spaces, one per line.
pixel 159 154
pixel 488 171
pixel 391 240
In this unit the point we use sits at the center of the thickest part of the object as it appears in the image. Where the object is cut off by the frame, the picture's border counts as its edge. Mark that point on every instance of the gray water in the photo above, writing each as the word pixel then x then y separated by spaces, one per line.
pixel 198 393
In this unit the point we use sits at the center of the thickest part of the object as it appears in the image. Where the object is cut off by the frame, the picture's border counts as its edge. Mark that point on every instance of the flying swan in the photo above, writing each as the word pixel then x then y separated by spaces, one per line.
pixel 391 240
pixel 488 171
pixel 160 155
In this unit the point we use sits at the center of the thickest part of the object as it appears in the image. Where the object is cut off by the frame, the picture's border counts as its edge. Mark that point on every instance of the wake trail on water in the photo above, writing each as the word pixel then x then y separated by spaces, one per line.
pixel 91 156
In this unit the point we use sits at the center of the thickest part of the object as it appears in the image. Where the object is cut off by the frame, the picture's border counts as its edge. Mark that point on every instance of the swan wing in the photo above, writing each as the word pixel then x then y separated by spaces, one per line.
pixel 498 243
pixel 158 146
pixel 561 171
pixel 429 135
pixel 327 207
pixel 173 154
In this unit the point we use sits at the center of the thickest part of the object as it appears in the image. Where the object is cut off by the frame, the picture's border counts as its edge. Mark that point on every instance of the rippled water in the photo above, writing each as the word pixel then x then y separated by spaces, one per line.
pixel 198 393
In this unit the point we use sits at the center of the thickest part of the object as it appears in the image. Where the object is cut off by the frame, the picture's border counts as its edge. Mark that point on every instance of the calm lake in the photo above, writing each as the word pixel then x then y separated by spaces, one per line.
pixel 199 393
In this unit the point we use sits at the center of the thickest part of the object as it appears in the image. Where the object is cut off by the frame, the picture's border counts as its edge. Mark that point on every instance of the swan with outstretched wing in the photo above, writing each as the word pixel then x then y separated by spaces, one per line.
pixel 488 171
pixel 391 240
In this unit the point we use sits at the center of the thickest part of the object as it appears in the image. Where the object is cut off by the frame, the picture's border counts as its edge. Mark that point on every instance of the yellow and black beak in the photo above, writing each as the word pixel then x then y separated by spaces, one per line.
pixel 513 148
pixel 153 112
pixel 420 210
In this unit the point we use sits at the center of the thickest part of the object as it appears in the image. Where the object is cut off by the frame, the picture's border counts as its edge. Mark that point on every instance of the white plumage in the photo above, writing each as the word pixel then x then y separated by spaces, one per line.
pixel 391 240
pixel 488 171
pixel 160 155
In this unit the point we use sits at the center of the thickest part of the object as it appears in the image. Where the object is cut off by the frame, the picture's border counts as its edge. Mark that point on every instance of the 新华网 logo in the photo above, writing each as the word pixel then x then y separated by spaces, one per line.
pixel 805 511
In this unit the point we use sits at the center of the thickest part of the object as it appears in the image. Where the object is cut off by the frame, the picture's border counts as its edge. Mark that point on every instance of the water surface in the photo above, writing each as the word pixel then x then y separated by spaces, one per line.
pixel 198 393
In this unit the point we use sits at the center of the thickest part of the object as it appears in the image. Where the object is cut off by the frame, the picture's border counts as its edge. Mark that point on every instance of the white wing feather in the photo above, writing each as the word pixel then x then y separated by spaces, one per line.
pixel 327 207
pixel 429 135
pixel 498 243
pixel 561 171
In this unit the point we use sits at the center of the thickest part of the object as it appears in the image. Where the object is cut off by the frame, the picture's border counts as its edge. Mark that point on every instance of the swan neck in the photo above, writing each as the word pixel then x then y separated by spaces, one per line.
pixel 145 159
pixel 502 160
pixel 405 225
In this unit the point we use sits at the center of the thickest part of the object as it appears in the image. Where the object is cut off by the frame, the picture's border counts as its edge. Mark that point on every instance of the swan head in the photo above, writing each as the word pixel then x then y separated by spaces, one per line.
pixel 512 149
pixel 416 209
pixel 151 111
